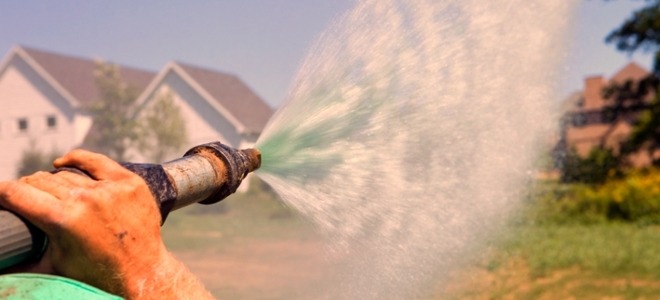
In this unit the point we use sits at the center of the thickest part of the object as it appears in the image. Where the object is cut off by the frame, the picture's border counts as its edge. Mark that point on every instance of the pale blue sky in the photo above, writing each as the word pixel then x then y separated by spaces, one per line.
pixel 261 41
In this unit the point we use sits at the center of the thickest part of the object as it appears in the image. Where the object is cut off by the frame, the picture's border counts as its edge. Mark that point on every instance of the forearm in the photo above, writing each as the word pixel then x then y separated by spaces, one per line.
pixel 169 279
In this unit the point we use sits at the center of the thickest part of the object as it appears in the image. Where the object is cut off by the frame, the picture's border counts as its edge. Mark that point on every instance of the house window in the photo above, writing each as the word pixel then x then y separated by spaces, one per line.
pixel 22 125
pixel 51 122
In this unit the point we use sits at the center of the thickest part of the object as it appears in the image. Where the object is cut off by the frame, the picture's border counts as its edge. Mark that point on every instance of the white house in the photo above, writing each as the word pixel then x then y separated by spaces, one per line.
pixel 41 100
pixel 42 95
pixel 216 106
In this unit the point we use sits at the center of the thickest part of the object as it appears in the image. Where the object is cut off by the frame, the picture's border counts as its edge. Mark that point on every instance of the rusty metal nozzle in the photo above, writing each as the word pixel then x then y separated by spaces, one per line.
pixel 254 158
pixel 209 173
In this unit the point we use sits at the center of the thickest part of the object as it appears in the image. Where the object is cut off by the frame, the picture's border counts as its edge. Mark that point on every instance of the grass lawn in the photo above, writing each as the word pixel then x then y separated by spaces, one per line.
pixel 598 261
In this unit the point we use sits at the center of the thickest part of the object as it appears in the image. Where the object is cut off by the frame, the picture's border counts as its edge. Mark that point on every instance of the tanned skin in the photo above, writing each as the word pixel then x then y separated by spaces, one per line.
pixel 103 231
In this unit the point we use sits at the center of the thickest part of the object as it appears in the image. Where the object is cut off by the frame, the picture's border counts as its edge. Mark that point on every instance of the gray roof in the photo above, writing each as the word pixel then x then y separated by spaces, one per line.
pixel 231 93
pixel 76 75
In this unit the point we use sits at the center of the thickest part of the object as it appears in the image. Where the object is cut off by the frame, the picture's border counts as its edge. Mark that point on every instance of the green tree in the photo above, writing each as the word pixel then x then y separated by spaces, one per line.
pixel 639 99
pixel 163 129
pixel 33 160
pixel 640 32
pixel 115 128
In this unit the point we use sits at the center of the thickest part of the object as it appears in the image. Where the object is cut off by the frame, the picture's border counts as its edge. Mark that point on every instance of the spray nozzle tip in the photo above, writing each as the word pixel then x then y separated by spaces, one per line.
pixel 254 158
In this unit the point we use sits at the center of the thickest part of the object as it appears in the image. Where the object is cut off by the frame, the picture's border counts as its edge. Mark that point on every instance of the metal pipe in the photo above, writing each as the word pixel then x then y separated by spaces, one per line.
pixel 194 185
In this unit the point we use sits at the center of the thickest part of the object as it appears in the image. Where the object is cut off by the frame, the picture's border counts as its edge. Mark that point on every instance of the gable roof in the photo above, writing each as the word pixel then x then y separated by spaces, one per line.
pixel 76 75
pixel 227 93
pixel 231 93
pixel 632 71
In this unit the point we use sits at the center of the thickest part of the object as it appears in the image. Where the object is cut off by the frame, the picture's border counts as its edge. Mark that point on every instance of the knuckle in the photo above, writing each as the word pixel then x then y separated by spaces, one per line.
pixel 87 195
pixel 31 178
pixel 77 194
pixel 8 189
pixel 11 193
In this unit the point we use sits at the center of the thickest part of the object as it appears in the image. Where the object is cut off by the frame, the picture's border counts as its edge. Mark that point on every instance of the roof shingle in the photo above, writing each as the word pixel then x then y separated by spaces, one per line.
pixel 76 75
pixel 231 93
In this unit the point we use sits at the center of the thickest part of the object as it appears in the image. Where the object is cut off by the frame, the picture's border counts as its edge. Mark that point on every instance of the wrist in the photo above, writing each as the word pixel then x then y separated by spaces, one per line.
pixel 141 276
pixel 166 279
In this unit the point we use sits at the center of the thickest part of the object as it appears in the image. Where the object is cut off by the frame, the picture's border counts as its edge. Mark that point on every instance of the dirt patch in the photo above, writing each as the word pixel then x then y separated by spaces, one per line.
pixel 256 266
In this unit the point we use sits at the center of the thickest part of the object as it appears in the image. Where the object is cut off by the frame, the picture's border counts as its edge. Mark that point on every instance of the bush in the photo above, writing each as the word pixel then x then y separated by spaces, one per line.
pixel 33 160
pixel 635 198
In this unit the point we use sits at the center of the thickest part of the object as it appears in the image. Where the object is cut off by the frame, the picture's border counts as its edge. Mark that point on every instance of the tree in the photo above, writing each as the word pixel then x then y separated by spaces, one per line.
pixel 115 128
pixel 163 129
pixel 119 124
pixel 641 32
pixel 600 165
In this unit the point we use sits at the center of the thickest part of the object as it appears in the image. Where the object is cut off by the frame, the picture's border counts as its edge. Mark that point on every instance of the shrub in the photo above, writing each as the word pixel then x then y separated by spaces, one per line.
pixel 33 160
pixel 634 198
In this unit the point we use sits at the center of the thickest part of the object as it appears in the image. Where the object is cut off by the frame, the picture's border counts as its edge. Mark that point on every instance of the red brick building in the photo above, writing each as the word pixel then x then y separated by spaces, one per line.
pixel 586 123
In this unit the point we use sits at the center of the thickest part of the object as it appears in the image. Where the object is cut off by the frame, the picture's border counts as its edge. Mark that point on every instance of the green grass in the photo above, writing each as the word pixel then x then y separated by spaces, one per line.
pixel 575 242
pixel 610 248
pixel 567 261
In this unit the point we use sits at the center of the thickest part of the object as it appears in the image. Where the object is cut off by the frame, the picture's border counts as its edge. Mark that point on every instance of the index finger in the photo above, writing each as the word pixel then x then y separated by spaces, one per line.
pixel 99 166
pixel 37 206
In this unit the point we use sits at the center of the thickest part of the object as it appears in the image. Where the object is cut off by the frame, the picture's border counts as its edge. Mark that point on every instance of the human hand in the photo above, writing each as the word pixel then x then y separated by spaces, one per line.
pixel 104 230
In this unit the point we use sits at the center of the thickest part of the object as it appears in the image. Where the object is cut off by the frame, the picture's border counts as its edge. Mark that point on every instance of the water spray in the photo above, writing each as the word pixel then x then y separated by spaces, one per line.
pixel 406 140
pixel 409 133
pixel 206 174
